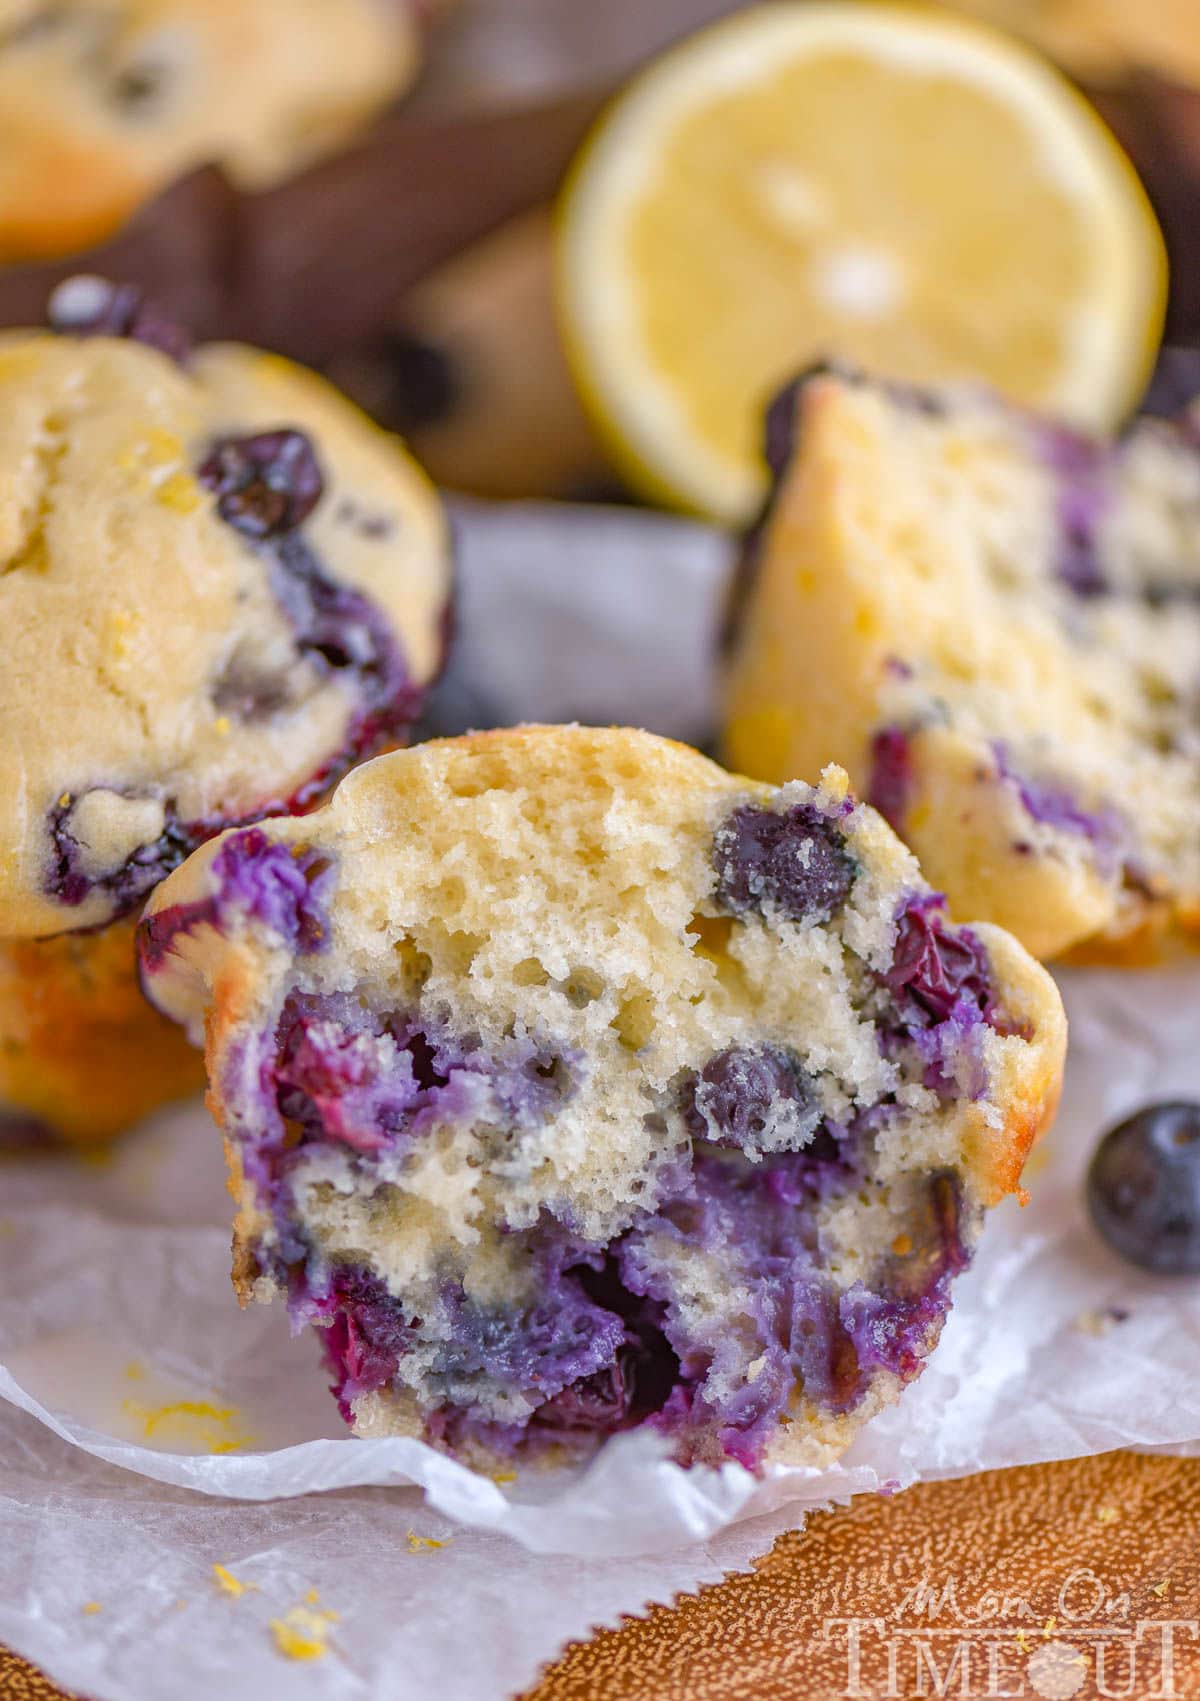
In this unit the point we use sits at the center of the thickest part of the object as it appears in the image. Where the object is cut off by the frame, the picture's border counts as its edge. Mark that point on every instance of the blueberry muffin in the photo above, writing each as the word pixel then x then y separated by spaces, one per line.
pixel 104 102
pixel 221 586
pixel 994 623
pixel 569 1083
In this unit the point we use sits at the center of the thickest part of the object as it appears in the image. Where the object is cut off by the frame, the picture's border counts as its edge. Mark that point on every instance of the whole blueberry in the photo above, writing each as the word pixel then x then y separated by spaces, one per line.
pixel 86 306
pixel 266 484
pixel 1143 1188
pixel 794 861
pixel 742 1090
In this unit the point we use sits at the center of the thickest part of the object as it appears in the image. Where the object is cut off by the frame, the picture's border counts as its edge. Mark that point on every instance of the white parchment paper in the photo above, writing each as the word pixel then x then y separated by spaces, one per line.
pixel 149 1431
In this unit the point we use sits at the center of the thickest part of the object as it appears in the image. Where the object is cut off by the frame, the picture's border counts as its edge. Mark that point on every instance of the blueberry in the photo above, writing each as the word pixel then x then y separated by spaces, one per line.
pixel 128 884
pixel 933 970
pixel 1143 1188
pixel 744 1089
pixel 267 484
pixel 86 306
pixel 794 861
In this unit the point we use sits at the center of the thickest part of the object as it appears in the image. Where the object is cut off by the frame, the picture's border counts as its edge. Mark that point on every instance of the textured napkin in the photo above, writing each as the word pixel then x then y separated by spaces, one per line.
pixel 150 1433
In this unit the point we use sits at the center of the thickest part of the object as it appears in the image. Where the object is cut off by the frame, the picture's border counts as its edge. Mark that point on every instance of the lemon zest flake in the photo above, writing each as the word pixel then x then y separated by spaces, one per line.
pixel 229 1584
pixel 303 1633
pixel 195 1422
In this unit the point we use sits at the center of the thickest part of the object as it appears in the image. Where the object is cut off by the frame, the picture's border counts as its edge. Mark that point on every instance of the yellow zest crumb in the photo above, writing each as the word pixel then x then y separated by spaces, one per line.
pixel 416 1542
pixel 65 800
pixel 135 1370
pixel 1107 1515
pixel 155 1417
pixel 1050 1626
pixel 179 492
pixel 228 1583
pixel 1159 1589
pixel 902 1245
pixel 302 1634
pixel 504 1476
pixel 293 1645
pixel 222 726
pixel 120 624
pixel 91 1608
pixel 196 1423
pixel 1022 1641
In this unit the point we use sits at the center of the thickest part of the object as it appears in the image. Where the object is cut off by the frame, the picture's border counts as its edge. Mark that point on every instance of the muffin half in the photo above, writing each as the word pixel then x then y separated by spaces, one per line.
pixel 569 1083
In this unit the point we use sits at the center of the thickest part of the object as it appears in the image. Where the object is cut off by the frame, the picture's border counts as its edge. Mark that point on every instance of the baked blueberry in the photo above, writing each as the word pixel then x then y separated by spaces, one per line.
pixel 555 1111
pixel 793 864
pixel 195 636
pixel 753 1097
pixel 1143 1188
pixel 86 306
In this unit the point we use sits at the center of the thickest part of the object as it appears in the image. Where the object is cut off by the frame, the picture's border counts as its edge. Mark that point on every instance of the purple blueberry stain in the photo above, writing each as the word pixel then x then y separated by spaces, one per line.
pixel 891 780
pixel 363 1332
pixel 372 1083
pixel 1083 469
pixel 87 306
pixel 283 887
pixel 608 1335
pixel 937 973
pixel 608 1338
pixel 1052 803
pixel 126 885
pixel 793 863
pixel 266 484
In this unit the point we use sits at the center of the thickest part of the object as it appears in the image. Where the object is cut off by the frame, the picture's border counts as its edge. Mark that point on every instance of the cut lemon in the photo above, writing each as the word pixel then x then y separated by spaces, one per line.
pixel 907 191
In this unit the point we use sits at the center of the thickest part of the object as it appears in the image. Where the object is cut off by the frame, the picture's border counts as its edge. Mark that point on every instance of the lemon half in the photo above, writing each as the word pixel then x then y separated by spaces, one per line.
pixel 907 191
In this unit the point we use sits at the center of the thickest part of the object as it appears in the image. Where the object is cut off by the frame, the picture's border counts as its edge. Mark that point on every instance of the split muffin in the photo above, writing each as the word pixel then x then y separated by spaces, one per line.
pixel 221 586
pixel 994 623
pixel 569 1084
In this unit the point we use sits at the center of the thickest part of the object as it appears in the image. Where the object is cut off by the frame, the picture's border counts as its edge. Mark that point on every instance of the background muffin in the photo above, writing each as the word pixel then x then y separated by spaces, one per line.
pixel 994 622
pixel 104 102
pixel 221 587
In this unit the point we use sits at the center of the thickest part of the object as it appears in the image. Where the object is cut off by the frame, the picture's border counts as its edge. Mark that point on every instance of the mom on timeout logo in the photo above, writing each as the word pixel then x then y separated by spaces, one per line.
pixel 1083 1642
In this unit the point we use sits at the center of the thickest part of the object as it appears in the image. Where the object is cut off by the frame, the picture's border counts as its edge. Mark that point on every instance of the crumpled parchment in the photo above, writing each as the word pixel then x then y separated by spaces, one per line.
pixel 149 1431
